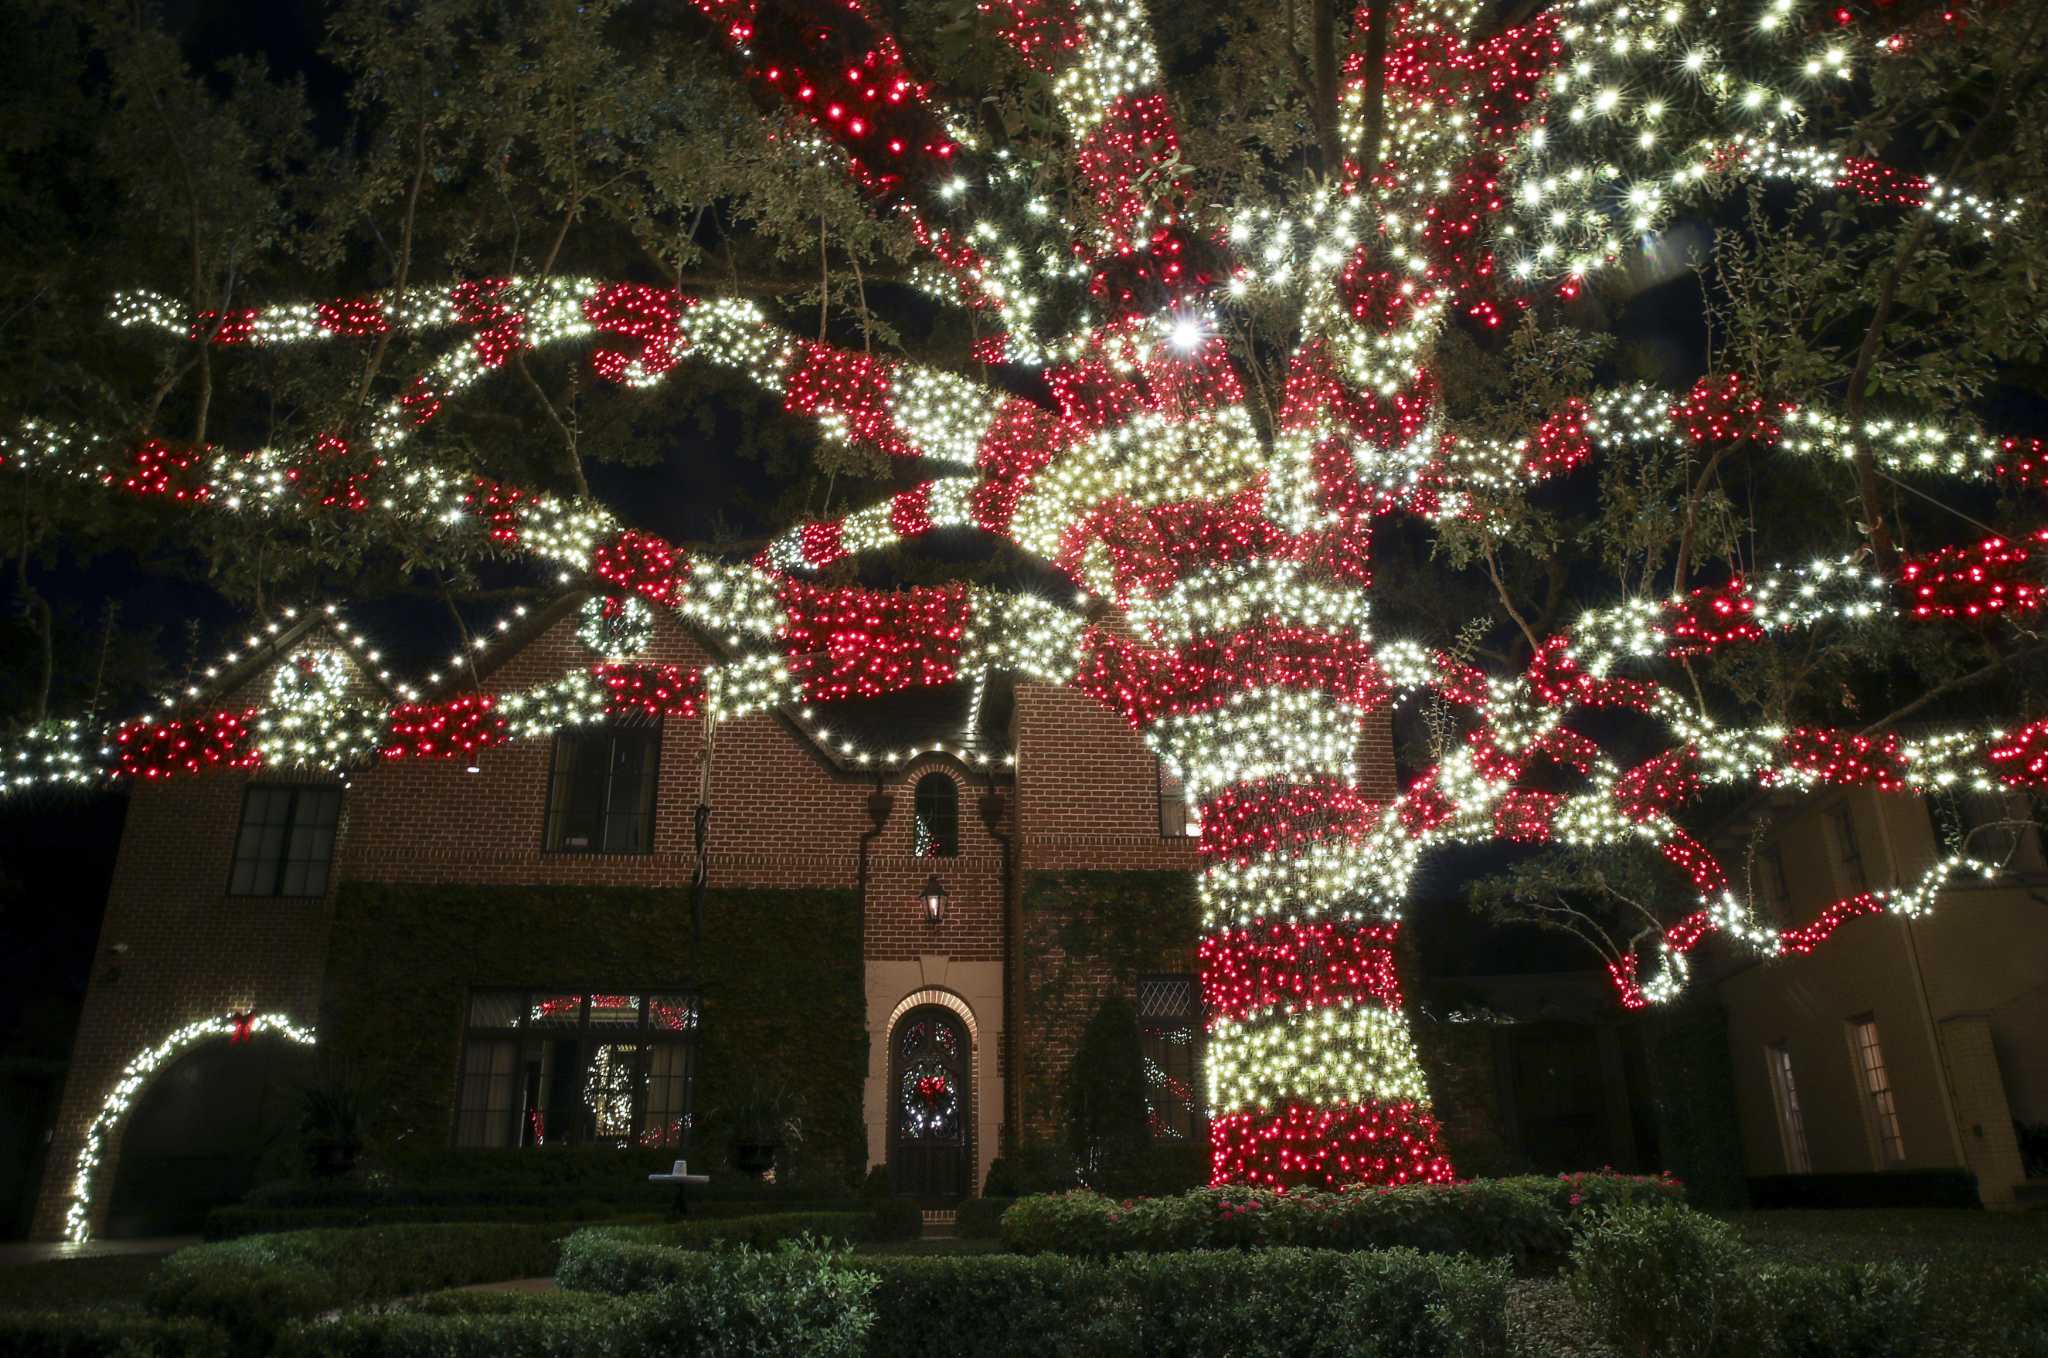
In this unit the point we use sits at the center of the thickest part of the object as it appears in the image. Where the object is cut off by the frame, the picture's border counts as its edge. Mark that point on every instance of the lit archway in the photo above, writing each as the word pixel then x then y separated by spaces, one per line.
pixel 234 1026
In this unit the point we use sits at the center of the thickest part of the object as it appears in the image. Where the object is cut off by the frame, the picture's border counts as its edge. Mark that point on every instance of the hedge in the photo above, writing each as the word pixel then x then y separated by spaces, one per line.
pixel 795 1300
pixel 981 1218
pixel 1390 1304
pixel 1666 1281
pixel 254 1287
pixel 1529 1220
pixel 75 1334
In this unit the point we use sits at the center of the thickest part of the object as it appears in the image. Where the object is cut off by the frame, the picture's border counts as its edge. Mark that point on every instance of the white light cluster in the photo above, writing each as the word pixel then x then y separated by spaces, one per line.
pixel 134 1076
pixel 1336 1053
pixel 616 630
pixel 1284 734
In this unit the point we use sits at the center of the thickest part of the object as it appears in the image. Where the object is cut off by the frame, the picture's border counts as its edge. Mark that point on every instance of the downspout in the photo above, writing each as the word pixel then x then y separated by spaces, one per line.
pixel 1948 1093
pixel 992 816
pixel 879 806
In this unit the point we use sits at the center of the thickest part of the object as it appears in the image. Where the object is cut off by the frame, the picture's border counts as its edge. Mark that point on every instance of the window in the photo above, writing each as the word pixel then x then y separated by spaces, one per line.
pixel 1770 867
pixel 548 1068
pixel 601 797
pixel 1169 1037
pixel 286 840
pixel 1877 1087
pixel 935 829
pixel 1848 849
pixel 1179 818
pixel 1791 1121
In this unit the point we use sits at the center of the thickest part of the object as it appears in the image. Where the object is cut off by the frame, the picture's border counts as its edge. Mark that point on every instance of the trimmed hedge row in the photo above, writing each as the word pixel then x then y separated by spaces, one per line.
pixel 1389 1304
pixel 73 1334
pixel 1667 1281
pixel 254 1287
pixel 730 1302
pixel 1529 1219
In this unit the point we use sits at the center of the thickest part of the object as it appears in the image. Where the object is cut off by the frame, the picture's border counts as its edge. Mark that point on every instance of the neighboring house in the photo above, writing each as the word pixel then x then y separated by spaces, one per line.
pixel 1900 1044
pixel 500 944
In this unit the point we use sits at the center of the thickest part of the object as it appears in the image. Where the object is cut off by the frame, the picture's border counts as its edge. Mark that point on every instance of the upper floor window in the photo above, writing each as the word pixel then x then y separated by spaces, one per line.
pixel 1848 848
pixel 935 830
pixel 1877 1088
pixel 286 840
pixel 1791 1120
pixel 1169 1038
pixel 1179 818
pixel 554 1067
pixel 601 797
pixel 1771 884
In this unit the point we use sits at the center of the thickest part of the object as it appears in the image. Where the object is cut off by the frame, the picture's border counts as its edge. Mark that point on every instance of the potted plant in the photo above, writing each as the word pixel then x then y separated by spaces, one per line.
pixel 767 1121
pixel 331 1124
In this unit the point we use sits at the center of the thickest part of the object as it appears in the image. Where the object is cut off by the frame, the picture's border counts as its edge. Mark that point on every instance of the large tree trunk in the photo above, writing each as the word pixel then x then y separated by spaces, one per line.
pixel 1312 1074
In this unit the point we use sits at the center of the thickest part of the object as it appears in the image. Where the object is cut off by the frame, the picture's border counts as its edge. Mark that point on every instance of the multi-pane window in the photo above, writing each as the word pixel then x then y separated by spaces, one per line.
pixel 1877 1088
pixel 552 1067
pixel 1848 848
pixel 1179 818
pixel 1770 877
pixel 601 798
pixel 935 829
pixel 1791 1121
pixel 286 840
pixel 1169 1037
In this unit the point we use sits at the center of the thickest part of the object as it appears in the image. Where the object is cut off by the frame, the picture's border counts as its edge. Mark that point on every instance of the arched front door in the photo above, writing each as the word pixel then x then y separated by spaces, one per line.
pixel 931 1106
pixel 206 1129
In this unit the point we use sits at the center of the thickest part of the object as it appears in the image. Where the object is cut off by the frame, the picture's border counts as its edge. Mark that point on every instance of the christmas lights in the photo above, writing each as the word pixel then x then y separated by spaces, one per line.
pixel 237 1027
pixel 1222 562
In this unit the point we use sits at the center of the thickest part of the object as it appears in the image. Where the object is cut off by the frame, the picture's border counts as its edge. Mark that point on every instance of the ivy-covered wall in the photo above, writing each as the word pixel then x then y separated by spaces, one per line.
pixel 1693 1089
pixel 782 992
pixel 1084 934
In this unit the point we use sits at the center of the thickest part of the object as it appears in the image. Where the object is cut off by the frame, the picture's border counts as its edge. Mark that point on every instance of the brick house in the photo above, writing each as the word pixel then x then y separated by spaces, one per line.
pixel 485 936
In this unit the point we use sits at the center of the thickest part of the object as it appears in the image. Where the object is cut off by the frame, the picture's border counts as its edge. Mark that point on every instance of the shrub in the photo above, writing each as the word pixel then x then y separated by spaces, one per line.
pixel 72 1334
pixel 1031 1167
pixel 1668 1281
pixel 253 1287
pixel 758 1232
pixel 897 1219
pixel 1395 1304
pixel 1845 1311
pixel 1105 1108
pixel 1660 1280
pixel 981 1218
pixel 607 1328
pixel 1526 1219
pixel 797 1299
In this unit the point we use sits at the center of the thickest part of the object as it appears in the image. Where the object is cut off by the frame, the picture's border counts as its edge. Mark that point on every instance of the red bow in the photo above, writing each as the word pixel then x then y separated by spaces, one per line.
pixel 931 1087
pixel 243 1023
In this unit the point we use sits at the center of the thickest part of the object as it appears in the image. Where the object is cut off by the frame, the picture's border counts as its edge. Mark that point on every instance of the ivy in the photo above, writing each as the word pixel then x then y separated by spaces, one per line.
pixel 783 996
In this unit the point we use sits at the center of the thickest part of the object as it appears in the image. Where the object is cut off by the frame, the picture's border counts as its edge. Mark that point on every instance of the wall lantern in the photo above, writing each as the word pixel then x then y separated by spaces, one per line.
pixel 934 900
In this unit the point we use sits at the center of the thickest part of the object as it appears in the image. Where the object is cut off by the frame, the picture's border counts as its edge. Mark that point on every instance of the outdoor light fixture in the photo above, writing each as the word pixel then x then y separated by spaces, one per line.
pixel 934 900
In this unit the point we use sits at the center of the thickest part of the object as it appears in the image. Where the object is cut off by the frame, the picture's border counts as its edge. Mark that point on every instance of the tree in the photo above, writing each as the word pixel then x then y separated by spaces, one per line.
pixel 1106 1098
pixel 1362 314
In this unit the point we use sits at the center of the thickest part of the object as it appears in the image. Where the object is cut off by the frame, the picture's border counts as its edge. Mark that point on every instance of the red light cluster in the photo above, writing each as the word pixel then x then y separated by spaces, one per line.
pixel 1254 819
pixel 159 469
pixel 499 328
pixel 1145 683
pixel 850 642
pixel 1299 965
pixel 654 316
pixel 650 690
pixel 1979 581
pixel 328 488
pixel 155 750
pixel 1724 410
pixel 1655 786
pixel 1558 680
pixel 855 387
pixel 1712 617
pixel 2021 759
pixel 445 730
pixel 642 564
pixel 1845 759
pixel 1344 1144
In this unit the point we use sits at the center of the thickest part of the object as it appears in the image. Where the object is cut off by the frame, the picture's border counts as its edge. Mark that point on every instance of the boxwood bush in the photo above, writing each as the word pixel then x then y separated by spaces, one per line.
pixel 981 1218
pixel 1528 1220
pixel 1667 1281
pixel 726 1303
pixel 1390 1304
pixel 86 1334
pixel 252 1288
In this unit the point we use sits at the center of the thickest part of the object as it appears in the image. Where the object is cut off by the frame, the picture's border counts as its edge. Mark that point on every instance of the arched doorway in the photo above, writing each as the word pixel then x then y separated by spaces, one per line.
pixel 931 1106
pixel 207 1127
